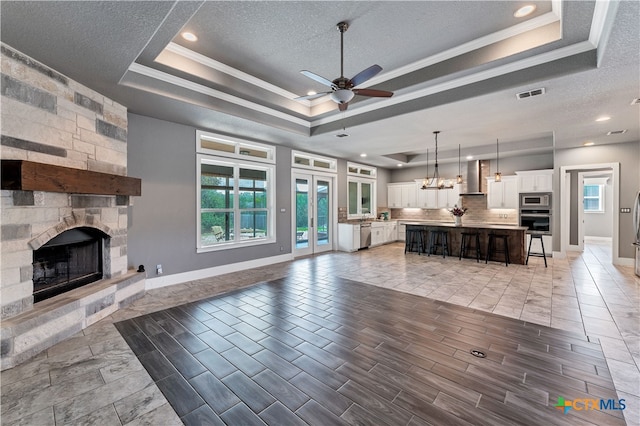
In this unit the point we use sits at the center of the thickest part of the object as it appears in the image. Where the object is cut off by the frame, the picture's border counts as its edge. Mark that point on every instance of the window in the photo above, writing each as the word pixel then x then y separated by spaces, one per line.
pixel 593 198
pixel 236 196
pixel 361 188
pixel 302 160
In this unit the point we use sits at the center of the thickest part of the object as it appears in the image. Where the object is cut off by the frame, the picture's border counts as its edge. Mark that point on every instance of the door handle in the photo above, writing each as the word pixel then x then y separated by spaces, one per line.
pixel 312 222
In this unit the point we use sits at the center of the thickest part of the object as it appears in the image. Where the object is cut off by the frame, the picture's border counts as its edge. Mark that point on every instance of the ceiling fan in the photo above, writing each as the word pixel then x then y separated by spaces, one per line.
pixel 344 89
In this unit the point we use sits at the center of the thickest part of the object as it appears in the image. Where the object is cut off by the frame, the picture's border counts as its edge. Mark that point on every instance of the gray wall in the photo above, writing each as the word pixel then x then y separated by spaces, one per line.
pixel 628 156
pixel 162 228
pixel 599 224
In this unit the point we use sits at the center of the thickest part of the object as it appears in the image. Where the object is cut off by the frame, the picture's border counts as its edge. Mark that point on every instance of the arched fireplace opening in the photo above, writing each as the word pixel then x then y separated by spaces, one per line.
pixel 70 260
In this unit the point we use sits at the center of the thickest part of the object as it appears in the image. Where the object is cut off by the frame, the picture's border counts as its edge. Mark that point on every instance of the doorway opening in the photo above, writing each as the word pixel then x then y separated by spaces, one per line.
pixel 594 188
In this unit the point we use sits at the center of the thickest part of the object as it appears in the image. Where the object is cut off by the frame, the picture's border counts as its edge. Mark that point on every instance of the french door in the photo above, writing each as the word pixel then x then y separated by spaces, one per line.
pixel 313 219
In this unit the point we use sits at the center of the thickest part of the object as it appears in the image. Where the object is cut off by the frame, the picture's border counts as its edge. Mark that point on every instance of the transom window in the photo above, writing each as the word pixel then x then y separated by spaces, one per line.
pixel 303 160
pixel 236 201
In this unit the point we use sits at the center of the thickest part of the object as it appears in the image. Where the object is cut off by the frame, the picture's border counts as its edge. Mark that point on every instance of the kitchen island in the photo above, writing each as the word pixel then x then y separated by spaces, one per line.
pixel 516 237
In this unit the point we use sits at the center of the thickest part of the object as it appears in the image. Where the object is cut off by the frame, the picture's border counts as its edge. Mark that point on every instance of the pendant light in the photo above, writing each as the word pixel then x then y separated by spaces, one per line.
pixel 498 175
pixel 436 181
pixel 459 177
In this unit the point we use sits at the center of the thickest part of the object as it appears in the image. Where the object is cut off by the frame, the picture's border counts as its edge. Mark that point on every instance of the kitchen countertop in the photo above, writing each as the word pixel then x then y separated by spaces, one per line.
pixel 469 224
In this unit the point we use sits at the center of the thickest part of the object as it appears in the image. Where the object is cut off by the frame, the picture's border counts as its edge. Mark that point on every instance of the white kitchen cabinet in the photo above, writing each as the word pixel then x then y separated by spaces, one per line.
pixel 348 237
pixel 391 231
pixel 409 195
pixel 535 181
pixel 447 198
pixel 378 232
pixel 504 194
pixel 401 195
pixel 439 198
pixel 427 198
pixel 383 232
pixel 394 196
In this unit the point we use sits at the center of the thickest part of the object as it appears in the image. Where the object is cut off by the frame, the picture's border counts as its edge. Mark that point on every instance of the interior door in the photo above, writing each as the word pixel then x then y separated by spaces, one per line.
pixel 313 218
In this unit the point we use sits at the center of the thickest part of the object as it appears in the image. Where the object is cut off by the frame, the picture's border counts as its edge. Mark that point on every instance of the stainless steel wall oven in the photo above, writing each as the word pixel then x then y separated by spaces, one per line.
pixel 535 213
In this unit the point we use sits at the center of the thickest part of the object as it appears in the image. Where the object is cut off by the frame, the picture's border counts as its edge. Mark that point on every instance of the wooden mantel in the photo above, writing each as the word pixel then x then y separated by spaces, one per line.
pixel 20 175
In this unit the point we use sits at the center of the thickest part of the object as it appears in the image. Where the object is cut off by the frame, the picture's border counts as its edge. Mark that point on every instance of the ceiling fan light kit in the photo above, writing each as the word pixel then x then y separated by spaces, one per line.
pixel 342 96
pixel 344 89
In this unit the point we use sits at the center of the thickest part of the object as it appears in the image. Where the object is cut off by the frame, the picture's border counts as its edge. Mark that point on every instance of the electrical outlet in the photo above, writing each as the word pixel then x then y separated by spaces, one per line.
pixel 159 269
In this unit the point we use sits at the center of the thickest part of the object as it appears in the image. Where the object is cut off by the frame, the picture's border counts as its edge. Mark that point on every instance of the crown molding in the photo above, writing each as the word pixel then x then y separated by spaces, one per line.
pixel 186 84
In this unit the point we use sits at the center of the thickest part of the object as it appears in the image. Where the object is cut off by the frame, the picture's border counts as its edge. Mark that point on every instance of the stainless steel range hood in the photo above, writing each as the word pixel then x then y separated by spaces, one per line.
pixel 473 184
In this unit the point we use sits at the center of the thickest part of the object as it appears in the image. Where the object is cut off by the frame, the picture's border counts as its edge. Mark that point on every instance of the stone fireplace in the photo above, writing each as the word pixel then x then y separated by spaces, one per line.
pixel 65 206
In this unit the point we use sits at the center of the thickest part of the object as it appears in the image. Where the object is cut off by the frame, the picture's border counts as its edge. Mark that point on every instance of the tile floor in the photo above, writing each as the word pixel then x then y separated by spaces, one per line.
pixel 95 378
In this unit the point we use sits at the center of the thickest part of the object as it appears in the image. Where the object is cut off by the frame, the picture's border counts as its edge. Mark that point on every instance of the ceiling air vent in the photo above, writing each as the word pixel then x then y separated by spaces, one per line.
pixel 616 132
pixel 530 93
pixel 342 135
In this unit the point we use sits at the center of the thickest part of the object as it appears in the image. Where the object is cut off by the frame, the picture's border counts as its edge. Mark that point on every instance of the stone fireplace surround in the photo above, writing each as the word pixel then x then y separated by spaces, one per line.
pixel 49 119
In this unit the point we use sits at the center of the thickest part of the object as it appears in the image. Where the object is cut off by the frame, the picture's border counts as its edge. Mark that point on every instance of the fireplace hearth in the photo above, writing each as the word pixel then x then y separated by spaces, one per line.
pixel 70 260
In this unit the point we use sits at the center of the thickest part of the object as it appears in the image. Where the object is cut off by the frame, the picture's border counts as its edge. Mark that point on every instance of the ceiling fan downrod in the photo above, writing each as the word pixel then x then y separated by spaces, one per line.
pixel 342 27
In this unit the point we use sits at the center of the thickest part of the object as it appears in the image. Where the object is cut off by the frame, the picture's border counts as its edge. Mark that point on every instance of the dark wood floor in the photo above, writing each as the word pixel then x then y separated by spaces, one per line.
pixel 321 351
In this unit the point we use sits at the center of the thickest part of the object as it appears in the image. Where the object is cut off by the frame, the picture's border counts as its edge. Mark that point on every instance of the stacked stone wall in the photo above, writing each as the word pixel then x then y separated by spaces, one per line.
pixel 48 118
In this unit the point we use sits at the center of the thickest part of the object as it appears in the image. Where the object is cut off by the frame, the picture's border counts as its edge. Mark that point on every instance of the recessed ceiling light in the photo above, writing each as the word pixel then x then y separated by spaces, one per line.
pixel 363 155
pixel 311 93
pixel 469 157
pixel 524 11
pixel 399 164
pixel 589 143
pixel 189 36
pixel 603 118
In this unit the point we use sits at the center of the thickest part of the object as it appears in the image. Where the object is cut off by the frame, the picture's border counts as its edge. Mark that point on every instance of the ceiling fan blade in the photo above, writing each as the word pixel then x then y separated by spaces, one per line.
pixel 309 97
pixel 343 107
pixel 316 77
pixel 365 75
pixel 373 92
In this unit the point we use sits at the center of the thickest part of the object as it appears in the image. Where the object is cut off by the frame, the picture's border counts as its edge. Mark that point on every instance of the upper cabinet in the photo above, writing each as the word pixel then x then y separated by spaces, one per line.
pixel 535 181
pixel 504 194
pixel 427 199
pixel 447 198
pixel 401 195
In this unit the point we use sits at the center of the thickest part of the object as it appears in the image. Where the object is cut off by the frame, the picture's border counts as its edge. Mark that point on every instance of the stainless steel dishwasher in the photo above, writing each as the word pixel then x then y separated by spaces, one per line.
pixel 365 234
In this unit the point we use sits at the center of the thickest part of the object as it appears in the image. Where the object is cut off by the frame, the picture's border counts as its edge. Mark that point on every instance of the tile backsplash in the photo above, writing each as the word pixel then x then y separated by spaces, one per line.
pixel 476 212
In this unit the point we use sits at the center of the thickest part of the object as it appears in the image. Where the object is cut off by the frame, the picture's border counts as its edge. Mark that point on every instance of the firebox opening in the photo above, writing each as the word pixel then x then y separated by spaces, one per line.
pixel 70 260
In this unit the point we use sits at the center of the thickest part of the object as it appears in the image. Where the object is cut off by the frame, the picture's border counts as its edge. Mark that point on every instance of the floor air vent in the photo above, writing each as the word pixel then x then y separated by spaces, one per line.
pixel 530 93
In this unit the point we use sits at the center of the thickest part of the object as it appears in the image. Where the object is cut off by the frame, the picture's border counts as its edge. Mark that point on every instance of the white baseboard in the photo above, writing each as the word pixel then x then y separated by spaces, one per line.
pixel 597 239
pixel 624 261
pixel 199 274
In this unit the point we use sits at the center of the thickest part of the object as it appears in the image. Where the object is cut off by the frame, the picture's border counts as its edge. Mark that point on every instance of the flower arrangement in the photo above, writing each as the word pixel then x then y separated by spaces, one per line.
pixel 458 211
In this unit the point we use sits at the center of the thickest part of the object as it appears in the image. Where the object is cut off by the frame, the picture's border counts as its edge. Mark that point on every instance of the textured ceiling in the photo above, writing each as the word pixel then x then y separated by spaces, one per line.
pixel 454 66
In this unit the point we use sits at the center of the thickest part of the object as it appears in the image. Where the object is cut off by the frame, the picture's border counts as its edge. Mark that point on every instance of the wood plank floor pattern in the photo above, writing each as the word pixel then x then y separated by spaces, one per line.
pixel 335 351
